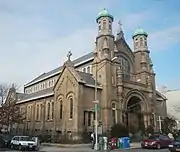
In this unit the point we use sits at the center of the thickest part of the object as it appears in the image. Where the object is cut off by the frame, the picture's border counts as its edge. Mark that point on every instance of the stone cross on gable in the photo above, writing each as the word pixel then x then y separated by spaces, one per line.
pixel 120 27
pixel 69 55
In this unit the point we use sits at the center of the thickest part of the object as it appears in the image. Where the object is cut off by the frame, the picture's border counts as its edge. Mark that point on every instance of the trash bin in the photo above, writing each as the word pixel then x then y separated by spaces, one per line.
pixel 126 142
pixel 120 143
pixel 101 143
pixel 105 139
pixel 113 143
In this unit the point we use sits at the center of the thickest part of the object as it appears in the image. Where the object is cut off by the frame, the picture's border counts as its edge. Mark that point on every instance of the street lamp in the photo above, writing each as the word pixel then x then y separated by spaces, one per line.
pixel 96 102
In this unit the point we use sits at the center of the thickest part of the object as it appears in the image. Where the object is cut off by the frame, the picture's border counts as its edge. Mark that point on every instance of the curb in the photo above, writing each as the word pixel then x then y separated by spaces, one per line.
pixel 66 145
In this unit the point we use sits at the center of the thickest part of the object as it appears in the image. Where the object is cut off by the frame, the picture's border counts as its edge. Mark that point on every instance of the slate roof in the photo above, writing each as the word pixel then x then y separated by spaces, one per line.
pixel 57 70
pixel 87 77
pixel 20 96
pixel 37 94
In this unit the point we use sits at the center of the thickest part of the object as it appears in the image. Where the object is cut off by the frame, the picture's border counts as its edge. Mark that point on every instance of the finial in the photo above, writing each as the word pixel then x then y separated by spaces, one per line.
pixel 69 55
pixel 120 33
pixel 120 26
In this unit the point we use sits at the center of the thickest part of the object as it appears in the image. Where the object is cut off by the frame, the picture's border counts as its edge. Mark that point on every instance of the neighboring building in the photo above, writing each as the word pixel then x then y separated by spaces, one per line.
pixel 61 101
pixel 173 103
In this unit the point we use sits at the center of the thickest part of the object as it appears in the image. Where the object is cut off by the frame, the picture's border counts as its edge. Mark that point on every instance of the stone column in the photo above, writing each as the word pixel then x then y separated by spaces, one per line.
pixel 145 121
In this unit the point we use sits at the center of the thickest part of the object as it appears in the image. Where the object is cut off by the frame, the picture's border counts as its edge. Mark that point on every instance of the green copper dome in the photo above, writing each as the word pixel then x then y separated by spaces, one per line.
pixel 104 13
pixel 139 31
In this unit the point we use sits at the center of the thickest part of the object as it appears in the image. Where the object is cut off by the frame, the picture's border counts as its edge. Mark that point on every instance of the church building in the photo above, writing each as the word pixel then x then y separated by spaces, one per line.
pixel 121 79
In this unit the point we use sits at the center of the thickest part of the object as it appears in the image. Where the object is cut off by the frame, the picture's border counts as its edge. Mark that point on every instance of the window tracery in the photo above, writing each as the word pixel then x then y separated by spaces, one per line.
pixel 125 67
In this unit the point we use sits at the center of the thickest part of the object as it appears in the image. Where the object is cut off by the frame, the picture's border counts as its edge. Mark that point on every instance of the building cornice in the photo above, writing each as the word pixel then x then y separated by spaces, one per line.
pixel 35 98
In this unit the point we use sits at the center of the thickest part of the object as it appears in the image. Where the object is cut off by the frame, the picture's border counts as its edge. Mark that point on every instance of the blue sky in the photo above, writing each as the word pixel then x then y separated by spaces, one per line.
pixel 35 35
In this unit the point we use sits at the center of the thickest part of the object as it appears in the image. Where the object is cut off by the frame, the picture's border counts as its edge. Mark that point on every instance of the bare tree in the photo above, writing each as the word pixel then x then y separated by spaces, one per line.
pixel 4 88
pixel 9 111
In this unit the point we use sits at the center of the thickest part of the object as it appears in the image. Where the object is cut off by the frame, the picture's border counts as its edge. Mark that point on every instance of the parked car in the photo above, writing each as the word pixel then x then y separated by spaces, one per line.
pixel 5 140
pixel 23 143
pixel 175 145
pixel 156 141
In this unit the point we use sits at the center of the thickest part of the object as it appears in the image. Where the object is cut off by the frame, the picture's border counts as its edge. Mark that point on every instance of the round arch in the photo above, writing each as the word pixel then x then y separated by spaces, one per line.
pixel 135 106
pixel 138 95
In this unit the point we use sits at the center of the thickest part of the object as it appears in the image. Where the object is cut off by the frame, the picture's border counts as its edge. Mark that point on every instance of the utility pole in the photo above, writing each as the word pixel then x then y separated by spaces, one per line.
pixel 96 109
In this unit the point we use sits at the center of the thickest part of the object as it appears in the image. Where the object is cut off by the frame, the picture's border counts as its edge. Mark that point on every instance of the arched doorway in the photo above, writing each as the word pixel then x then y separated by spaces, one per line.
pixel 134 116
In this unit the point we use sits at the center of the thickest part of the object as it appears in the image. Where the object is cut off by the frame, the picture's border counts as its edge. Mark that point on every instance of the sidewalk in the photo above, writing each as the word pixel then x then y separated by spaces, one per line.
pixel 135 145
pixel 132 145
pixel 67 145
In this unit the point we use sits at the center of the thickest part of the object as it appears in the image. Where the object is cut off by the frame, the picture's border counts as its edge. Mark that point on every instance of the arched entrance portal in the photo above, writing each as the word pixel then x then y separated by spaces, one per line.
pixel 134 116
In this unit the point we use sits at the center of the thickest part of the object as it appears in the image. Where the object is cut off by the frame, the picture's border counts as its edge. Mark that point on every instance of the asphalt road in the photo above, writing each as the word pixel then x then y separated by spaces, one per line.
pixel 145 150
pixel 55 149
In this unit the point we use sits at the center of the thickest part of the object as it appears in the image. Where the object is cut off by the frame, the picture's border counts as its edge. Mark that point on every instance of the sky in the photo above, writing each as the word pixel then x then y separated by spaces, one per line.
pixel 35 35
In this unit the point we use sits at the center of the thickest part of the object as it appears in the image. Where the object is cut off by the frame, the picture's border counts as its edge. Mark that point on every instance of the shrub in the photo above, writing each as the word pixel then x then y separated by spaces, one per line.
pixel 149 129
pixel 119 130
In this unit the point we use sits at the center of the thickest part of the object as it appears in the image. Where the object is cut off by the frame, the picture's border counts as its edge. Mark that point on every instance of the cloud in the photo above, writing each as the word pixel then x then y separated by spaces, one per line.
pixel 164 38
pixel 36 37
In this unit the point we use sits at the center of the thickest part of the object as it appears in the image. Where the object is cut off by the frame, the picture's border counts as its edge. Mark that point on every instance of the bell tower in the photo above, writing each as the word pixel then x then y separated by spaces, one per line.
pixel 141 50
pixel 103 68
pixel 105 37
pixel 143 61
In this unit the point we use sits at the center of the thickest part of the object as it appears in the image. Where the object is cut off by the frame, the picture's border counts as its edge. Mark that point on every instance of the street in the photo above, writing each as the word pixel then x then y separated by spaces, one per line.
pixel 56 149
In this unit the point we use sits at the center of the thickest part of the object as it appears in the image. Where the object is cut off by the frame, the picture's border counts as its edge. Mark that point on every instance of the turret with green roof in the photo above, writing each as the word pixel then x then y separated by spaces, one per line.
pixel 139 31
pixel 104 13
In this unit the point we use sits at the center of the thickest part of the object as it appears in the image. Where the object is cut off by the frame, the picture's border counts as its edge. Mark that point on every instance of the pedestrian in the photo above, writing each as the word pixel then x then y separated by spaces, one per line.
pixel 170 135
pixel 92 140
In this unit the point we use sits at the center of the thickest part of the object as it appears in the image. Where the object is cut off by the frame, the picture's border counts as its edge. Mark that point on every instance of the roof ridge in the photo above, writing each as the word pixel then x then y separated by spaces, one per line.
pixel 75 61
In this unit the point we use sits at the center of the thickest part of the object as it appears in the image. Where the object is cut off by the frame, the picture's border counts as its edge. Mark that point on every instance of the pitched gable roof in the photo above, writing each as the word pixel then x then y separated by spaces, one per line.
pixel 76 62
pixel 160 96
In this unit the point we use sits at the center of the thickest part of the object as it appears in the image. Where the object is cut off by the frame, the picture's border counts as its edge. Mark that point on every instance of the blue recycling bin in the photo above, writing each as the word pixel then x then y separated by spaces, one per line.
pixel 126 142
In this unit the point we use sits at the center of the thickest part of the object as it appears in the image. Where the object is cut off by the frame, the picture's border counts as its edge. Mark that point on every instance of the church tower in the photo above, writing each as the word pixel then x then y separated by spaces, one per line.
pixel 103 66
pixel 141 49
pixel 143 61
pixel 105 37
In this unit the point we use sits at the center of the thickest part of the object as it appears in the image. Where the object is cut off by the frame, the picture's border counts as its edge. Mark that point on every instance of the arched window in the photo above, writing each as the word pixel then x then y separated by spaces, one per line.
pixel 61 109
pixel 71 108
pixel 29 112
pixel 145 42
pixel 141 41
pixel 110 26
pixel 48 111
pixel 52 110
pixel 114 111
pixel 125 67
pixel 99 26
pixel 41 109
pixel 88 69
pixel 84 69
pixel 37 112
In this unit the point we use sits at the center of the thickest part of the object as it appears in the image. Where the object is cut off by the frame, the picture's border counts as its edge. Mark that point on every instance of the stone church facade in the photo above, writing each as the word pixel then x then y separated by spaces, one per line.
pixel 61 100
